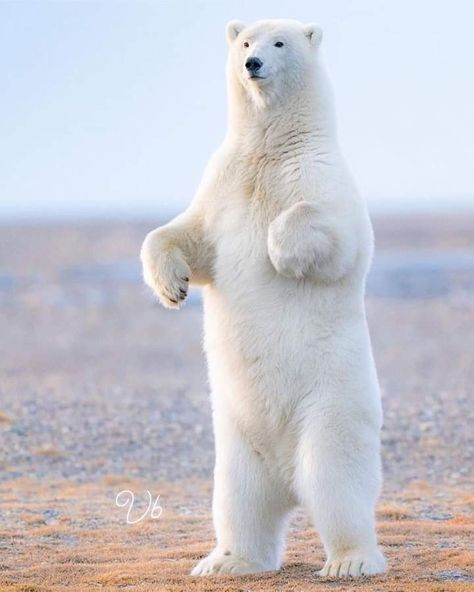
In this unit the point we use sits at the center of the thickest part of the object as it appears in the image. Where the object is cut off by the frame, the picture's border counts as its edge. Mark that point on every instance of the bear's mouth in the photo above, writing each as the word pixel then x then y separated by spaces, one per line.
pixel 255 77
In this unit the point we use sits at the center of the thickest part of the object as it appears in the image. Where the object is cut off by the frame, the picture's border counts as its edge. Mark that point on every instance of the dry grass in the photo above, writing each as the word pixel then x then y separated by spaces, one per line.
pixel 61 536
pixel 5 418
pixel 48 450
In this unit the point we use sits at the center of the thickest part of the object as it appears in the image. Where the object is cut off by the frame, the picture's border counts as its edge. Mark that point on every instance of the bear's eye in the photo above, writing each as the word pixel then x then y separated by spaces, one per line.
pixel 246 44
pixel 279 44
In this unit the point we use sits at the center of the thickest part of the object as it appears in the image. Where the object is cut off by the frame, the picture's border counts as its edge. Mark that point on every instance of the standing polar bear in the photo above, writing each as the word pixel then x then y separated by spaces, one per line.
pixel 281 242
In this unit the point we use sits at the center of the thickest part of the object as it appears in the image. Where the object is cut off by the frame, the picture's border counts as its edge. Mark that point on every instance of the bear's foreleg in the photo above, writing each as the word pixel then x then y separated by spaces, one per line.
pixel 174 256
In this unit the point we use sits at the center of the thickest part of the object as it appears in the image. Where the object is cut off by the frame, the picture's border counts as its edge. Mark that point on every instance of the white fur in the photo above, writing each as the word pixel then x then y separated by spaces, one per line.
pixel 281 242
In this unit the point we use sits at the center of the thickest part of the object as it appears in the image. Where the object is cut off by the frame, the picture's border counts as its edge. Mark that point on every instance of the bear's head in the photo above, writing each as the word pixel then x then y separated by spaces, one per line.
pixel 273 58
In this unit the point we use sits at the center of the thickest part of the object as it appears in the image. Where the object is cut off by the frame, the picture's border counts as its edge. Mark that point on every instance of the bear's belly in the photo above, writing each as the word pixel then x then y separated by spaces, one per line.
pixel 272 341
pixel 268 338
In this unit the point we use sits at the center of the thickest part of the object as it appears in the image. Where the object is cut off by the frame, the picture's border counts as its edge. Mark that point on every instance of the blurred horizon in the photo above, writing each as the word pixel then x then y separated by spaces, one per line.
pixel 111 110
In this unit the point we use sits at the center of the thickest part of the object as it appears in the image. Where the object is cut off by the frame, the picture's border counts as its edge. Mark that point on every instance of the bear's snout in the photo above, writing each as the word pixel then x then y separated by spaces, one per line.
pixel 253 65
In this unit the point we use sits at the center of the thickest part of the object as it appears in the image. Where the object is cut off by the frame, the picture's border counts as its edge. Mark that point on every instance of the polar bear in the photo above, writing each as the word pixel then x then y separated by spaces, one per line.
pixel 281 242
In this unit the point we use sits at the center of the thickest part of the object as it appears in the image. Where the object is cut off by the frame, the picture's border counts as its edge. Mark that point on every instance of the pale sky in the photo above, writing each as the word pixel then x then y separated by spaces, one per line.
pixel 112 108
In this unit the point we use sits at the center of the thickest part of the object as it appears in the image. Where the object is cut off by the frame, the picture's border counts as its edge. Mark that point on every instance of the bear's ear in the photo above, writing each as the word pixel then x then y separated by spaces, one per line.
pixel 314 33
pixel 232 30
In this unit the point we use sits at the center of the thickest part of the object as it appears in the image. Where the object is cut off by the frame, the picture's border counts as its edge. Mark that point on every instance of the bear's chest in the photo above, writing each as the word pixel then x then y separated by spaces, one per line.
pixel 256 190
pixel 268 182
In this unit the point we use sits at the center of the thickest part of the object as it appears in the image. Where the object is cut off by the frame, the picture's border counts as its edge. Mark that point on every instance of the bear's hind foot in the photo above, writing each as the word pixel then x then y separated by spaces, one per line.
pixel 354 564
pixel 225 564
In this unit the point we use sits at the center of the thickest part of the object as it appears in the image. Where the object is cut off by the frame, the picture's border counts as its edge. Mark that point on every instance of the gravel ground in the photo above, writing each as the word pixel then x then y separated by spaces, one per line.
pixel 99 383
pixel 97 379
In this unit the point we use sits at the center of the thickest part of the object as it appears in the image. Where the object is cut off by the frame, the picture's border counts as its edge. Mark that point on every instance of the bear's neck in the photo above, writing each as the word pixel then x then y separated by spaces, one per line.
pixel 271 123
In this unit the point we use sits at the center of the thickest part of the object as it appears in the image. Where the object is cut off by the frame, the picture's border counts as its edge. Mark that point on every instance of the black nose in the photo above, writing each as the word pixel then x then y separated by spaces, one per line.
pixel 253 64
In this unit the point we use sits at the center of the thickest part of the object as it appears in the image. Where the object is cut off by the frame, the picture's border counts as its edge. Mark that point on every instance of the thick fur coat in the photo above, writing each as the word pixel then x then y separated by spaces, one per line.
pixel 281 242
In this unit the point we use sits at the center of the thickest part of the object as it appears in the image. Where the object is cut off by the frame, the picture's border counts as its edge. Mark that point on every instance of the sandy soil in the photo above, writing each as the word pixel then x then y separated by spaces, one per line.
pixel 102 390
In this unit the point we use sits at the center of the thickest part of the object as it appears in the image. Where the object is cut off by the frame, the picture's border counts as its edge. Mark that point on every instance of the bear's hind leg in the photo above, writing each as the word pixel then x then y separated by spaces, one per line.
pixel 250 510
pixel 338 480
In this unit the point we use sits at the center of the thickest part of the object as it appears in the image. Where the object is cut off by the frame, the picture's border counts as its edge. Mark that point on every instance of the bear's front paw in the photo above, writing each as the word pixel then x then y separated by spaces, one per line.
pixel 165 272
pixel 294 244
